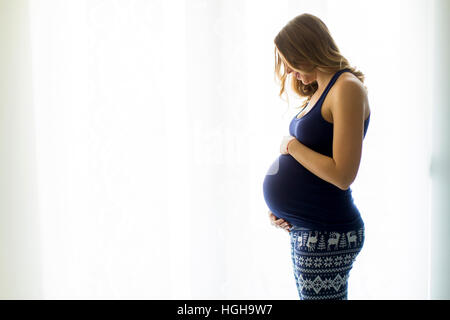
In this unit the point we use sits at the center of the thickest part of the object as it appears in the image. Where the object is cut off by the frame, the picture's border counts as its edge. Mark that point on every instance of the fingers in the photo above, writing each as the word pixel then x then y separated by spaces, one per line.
pixel 279 223
pixel 284 225
pixel 272 217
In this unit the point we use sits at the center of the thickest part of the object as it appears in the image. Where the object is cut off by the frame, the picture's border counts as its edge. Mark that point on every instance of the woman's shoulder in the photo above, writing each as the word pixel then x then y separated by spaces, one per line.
pixel 347 77
pixel 349 84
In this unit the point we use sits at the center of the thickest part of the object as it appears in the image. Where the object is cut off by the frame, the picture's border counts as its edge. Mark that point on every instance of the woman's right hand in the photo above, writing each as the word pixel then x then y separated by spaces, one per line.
pixel 279 223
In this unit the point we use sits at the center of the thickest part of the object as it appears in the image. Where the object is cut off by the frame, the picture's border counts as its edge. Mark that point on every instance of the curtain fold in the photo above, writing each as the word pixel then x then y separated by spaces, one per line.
pixel 440 165
pixel 20 252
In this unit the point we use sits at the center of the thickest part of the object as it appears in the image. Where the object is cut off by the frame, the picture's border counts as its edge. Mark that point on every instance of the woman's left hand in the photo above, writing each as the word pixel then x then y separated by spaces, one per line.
pixel 284 144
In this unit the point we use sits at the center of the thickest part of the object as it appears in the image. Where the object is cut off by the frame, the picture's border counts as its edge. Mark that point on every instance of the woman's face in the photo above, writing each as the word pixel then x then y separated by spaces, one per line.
pixel 305 78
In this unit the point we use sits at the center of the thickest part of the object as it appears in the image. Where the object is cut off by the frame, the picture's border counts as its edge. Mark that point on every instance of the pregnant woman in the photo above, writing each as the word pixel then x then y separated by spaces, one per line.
pixel 307 188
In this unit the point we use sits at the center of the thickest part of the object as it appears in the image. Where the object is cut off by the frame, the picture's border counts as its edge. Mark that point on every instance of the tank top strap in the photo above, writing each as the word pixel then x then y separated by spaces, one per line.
pixel 333 80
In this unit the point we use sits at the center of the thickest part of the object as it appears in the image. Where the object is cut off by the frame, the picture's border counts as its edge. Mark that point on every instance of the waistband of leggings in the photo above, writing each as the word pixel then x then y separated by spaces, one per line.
pixel 300 228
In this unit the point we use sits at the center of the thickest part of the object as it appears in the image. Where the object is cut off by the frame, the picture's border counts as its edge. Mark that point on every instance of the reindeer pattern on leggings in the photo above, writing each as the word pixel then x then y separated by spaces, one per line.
pixel 323 240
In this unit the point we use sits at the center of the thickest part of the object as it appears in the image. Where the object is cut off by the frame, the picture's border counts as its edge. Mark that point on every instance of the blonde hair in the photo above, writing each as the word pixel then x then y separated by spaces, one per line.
pixel 305 43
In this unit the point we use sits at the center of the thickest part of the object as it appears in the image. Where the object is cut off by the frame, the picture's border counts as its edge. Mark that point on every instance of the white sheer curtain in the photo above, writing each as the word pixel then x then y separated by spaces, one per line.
pixel 20 252
pixel 156 122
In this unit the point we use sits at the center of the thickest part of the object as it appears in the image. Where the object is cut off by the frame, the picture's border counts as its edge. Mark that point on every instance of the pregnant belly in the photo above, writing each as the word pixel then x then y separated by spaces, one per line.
pixel 295 194
pixel 287 182
pixel 283 181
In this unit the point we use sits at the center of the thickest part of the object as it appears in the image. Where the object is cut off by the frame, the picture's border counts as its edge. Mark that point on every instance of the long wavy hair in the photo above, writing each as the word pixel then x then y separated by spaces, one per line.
pixel 306 43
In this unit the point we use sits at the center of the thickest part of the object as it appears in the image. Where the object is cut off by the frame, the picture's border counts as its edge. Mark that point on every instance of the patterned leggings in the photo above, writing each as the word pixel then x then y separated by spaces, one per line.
pixel 322 261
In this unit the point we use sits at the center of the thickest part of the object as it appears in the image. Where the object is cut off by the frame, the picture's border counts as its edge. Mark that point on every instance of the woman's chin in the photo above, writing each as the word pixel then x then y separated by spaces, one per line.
pixel 304 82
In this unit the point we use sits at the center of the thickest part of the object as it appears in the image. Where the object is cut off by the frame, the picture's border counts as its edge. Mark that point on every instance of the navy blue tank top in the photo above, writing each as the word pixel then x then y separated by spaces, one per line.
pixel 295 194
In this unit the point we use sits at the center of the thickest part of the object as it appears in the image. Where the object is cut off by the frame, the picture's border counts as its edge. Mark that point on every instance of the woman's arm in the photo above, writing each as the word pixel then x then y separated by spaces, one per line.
pixel 348 133
pixel 321 165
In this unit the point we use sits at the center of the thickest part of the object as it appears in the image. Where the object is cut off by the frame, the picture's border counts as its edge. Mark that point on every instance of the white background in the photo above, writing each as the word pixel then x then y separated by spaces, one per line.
pixel 156 122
